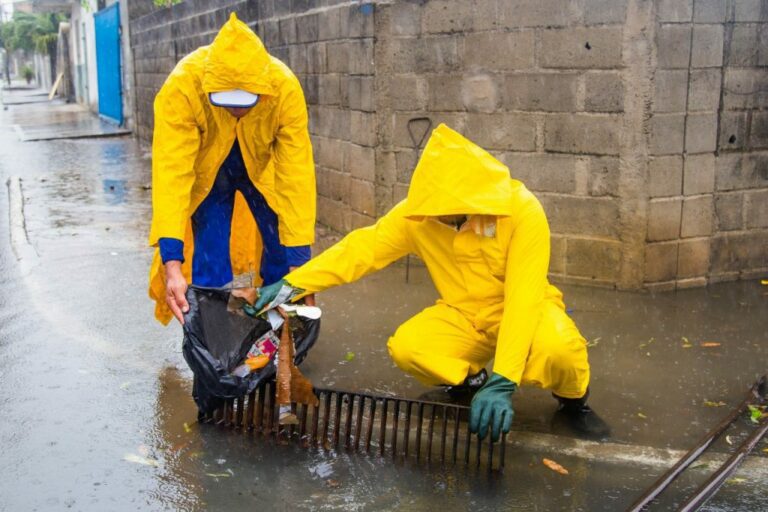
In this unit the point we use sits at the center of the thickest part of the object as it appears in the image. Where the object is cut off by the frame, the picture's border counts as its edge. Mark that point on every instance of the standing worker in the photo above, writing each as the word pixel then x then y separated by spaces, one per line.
pixel 230 118
pixel 485 241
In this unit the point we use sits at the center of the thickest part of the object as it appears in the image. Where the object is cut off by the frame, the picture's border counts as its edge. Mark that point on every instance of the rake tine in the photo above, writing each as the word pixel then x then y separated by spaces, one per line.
pixel 395 428
pixel 260 417
pixel 250 410
pixel 383 430
pixel 443 434
pixel 407 429
pixel 455 435
pixel 348 427
pixel 490 453
pixel 337 420
pixel 479 450
pixel 467 445
pixel 292 429
pixel 239 415
pixel 303 420
pixel 271 408
pixel 502 449
pixel 419 431
pixel 370 426
pixel 430 432
pixel 326 417
pixel 315 420
pixel 359 422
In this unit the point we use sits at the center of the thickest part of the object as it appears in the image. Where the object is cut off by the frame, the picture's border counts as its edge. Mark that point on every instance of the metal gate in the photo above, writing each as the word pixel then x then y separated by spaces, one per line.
pixel 107 23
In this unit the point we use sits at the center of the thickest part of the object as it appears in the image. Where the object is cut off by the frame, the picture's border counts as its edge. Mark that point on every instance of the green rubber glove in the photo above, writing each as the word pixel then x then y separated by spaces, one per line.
pixel 273 295
pixel 492 407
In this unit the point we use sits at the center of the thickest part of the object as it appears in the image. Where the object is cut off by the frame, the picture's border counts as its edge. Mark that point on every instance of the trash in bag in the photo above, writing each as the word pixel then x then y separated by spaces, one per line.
pixel 226 350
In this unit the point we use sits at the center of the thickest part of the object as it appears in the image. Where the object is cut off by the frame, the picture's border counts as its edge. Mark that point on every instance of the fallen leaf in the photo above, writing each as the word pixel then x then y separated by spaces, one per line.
pixel 643 345
pixel 554 466
pixel 221 475
pixel 333 484
pixel 765 450
pixel 138 459
pixel 764 282
pixel 756 413
pixel 686 343
pixel 708 344
pixel 350 356
pixel 709 403
pixel 736 480
pixel 702 465
pixel 187 428
pixel 594 342
pixel 641 415
pixel 728 440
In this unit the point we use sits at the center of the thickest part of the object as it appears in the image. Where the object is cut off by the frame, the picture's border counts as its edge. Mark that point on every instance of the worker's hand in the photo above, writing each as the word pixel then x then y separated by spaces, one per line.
pixel 176 290
pixel 282 291
pixel 309 300
pixel 492 407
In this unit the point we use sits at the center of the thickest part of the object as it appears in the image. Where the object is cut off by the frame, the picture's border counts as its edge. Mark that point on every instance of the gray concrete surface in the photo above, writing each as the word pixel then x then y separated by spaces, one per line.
pixel 91 386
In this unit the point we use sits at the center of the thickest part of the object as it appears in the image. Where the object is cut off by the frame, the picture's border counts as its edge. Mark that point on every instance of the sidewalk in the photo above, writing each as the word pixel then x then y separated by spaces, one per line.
pixel 86 211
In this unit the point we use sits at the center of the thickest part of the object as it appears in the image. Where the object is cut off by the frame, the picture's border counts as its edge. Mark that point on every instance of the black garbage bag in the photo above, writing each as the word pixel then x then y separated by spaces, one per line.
pixel 216 341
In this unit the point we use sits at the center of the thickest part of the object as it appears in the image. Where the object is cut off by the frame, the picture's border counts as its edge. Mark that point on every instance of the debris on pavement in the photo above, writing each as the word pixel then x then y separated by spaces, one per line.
pixel 138 459
pixel 554 466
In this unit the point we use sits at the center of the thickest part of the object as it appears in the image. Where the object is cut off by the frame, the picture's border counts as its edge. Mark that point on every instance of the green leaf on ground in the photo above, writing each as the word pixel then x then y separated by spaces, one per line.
pixel 686 343
pixel 709 403
pixel 641 415
pixel 350 356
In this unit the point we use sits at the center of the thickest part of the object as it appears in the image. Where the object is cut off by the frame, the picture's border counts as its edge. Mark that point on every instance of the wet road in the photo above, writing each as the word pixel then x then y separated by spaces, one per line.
pixel 95 394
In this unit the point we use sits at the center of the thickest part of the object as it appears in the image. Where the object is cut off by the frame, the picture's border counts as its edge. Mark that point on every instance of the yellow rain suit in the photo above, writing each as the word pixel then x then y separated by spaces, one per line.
pixel 192 138
pixel 491 274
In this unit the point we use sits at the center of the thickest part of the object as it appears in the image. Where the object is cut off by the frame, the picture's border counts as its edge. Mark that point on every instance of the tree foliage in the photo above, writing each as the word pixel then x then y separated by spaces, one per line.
pixel 30 32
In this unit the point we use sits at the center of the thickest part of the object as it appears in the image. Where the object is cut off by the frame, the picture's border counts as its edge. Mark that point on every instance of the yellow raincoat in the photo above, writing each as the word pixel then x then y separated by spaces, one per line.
pixel 491 274
pixel 192 138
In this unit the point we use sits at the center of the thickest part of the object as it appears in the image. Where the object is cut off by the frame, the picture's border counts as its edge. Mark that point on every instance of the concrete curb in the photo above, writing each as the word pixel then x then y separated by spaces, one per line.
pixel 22 248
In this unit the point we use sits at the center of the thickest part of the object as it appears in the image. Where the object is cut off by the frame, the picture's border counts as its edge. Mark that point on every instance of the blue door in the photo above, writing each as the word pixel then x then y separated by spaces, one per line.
pixel 108 63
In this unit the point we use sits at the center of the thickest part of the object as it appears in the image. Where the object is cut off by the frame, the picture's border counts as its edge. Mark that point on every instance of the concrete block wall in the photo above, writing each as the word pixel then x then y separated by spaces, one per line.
pixel 641 125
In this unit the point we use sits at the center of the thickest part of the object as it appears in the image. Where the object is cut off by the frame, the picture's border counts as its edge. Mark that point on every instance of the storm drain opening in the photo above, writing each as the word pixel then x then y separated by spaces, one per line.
pixel 401 429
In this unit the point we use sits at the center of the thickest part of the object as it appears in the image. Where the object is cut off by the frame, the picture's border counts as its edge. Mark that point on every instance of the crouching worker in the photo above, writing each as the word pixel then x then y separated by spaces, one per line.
pixel 485 241
pixel 233 181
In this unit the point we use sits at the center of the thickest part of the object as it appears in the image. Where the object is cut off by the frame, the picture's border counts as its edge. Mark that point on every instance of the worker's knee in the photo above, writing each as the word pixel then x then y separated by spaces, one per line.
pixel 401 350
pixel 568 368
pixel 567 354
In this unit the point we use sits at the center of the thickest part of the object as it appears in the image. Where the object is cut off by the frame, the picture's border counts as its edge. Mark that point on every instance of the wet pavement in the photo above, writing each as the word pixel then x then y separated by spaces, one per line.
pixel 95 394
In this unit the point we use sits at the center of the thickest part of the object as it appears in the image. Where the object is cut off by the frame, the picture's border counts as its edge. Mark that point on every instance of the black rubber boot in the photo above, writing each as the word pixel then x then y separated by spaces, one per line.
pixel 575 415
pixel 460 394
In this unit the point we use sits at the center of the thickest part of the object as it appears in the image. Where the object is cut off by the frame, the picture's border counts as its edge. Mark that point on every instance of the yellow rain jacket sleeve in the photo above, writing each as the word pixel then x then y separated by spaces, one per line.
pixel 525 287
pixel 358 254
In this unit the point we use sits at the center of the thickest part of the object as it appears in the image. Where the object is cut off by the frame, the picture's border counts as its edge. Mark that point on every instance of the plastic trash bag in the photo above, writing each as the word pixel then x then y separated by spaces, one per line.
pixel 216 341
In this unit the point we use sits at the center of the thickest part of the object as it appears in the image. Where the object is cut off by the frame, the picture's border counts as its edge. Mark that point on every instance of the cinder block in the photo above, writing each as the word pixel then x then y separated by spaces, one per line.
pixel 744 46
pixel 402 137
pixel 595 259
pixel 549 92
pixel 406 19
pixel 698 213
pixel 739 251
pixel 406 163
pixel 331 122
pixel 664 219
pixel 385 168
pixel 336 185
pixel 758 135
pixel 352 56
pixel 425 55
pixel 756 204
pixel 603 177
pixel 745 89
pixel 704 90
pixel 750 10
pixel 503 131
pixel 729 211
pixel 660 262
pixel 297 58
pixel 670 90
pixel 447 16
pixel 480 93
pixel 399 192
pixel 362 198
pixel 733 130
pixel 359 20
pixel 605 11
pixel 741 171
pixel 328 152
pixel 667 134
pixel 557 254
pixel 360 162
pixel 329 91
pixel 542 172
pixel 445 93
pixel 358 220
pixel 699 174
pixel 362 128
pixel 408 92
pixel 592 48
pixel 316 59
pixel 581 133
pixel 709 11
pixel 307 28
pixel 330 213
pixel 701 133
pixel 583 216
pixel 498 51
pixel 674 10
pixel 536 13
pixel 674 44
pixel 707 46
pixel 329 24
pixel 605 92
pixel 693 258
pixel 357 93
pixel 665 176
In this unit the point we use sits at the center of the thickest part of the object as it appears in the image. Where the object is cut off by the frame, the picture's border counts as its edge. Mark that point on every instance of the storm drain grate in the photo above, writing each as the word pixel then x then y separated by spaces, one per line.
pixel 402 429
